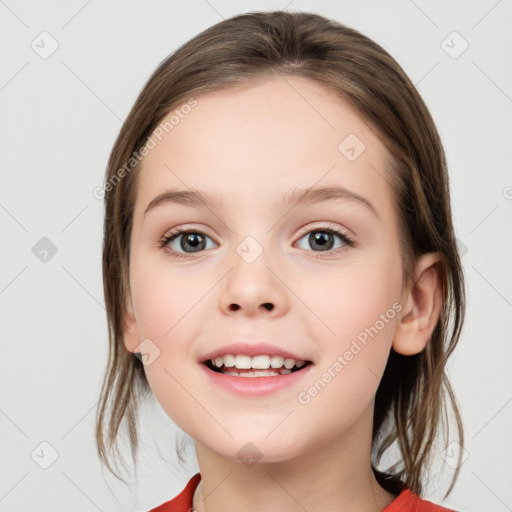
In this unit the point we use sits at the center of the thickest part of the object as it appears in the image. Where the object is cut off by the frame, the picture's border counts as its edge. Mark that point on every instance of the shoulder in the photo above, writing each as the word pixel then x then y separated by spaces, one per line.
pixel 407 501
pixel 183 501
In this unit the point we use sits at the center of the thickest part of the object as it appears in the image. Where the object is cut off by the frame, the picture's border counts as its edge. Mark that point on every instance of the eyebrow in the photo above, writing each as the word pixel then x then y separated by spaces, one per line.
pixel 305 196
pixel 295 197
pixel 191 197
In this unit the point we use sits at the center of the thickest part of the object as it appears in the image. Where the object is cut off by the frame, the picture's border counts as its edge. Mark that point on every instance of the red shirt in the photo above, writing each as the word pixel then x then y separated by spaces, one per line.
pixel 406 501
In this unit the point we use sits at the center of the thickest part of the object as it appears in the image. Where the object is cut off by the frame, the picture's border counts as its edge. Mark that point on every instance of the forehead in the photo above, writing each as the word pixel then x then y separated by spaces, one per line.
pixel 257 142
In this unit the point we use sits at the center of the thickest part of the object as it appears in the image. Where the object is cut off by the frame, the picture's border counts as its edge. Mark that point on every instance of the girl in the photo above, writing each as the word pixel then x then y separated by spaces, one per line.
pixel 280 257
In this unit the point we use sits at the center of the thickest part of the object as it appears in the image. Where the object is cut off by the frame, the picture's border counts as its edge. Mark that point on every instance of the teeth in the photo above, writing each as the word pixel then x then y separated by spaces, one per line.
pixel 243 362
pixel 276 361
pixel 258 362
pixel 257 373
pixel 261 362
pixel 229 360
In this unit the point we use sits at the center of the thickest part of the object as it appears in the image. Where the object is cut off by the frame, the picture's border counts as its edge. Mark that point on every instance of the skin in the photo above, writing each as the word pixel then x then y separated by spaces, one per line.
pixel 314 456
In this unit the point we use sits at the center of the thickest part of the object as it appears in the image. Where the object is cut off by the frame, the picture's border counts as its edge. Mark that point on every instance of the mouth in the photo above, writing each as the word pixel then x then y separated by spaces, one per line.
pixel 266 374
pixel 257 372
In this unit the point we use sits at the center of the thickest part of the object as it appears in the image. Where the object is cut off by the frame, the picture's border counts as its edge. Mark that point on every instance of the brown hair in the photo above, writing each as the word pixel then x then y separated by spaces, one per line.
pixel 412 398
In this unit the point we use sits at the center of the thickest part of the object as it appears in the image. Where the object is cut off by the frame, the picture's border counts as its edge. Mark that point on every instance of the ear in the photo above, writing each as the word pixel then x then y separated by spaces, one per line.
pixel 423 306
pixel 130 331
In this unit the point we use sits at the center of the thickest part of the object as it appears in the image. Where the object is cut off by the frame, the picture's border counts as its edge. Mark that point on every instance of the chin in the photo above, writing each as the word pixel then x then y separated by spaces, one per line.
pixel 250 450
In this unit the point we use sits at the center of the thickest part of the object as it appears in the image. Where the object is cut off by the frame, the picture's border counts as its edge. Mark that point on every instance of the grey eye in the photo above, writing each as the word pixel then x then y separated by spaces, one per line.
pixel 189 242
pixel 323 240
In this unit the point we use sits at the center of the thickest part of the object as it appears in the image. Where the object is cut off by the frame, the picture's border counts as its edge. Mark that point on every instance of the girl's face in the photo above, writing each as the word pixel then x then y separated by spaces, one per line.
pixel 260 274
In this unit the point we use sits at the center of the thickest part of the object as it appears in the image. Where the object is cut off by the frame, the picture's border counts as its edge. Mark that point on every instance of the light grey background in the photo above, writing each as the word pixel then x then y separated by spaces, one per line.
pixel 60 114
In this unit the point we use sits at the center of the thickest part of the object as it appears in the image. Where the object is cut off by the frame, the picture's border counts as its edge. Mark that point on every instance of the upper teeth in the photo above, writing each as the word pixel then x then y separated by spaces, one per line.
pixel 256 362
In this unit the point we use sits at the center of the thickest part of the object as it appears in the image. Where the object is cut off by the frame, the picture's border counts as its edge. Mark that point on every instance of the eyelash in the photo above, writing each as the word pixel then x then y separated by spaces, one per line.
pixel 175 234
pixel 345 237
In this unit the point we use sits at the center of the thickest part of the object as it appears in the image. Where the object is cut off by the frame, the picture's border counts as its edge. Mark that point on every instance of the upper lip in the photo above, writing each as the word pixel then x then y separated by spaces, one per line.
pixel 251 349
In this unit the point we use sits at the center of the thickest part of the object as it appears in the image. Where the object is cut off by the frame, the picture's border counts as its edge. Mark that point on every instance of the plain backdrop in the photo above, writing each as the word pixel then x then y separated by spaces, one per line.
pixel 70 72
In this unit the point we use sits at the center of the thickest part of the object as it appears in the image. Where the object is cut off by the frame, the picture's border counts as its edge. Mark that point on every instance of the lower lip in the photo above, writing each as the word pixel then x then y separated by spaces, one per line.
pixel 255 386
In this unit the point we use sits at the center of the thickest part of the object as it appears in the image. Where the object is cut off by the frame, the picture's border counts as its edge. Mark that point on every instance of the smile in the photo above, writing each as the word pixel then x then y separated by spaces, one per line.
pixel 257 382
pixel 257 366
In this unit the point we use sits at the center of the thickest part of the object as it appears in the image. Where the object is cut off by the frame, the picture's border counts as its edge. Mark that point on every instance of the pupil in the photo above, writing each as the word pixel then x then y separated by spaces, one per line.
pixel 192 239
pixel 321 239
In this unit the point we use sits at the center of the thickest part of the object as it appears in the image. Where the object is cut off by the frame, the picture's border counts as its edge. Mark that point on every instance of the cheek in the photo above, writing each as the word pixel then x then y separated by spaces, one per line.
pixel 359 309
pixel 167 305
pixel 353 298
pixel 351 366
pixel 161 297
pixel 158 308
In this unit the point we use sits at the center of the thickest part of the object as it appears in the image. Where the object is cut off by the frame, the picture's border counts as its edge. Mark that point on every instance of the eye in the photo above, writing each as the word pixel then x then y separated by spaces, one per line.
pixel 188 241
pixel 324 240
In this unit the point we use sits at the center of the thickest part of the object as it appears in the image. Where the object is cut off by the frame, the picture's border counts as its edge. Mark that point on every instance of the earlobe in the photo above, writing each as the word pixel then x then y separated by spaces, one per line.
pixel 130 331
pixel 423 307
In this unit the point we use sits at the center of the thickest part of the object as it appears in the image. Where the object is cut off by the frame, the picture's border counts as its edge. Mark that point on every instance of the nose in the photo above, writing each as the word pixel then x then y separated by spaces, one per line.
pixel 252 289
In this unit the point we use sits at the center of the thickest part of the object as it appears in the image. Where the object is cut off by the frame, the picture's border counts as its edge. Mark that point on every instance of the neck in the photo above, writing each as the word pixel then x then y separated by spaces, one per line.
pixel 329 475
